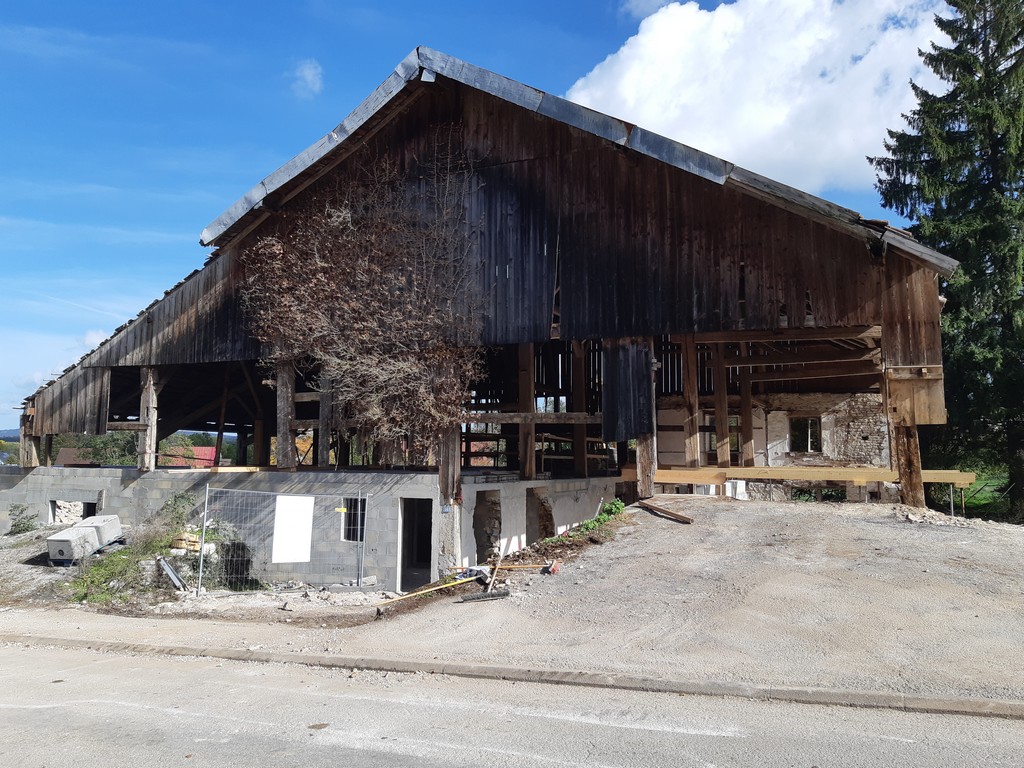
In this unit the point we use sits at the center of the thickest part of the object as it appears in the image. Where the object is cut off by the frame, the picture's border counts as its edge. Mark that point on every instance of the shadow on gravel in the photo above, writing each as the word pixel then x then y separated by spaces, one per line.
pixel 42 559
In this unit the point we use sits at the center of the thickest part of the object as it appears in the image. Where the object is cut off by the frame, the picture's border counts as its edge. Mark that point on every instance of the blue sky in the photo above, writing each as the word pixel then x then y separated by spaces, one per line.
pixel 127 127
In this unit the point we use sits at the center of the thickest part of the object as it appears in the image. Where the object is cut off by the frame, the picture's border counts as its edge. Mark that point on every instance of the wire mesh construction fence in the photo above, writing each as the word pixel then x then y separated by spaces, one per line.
pixel 252 540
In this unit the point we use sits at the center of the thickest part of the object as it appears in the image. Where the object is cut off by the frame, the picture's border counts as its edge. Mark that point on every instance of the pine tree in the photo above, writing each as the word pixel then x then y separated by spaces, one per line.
pixel 957 173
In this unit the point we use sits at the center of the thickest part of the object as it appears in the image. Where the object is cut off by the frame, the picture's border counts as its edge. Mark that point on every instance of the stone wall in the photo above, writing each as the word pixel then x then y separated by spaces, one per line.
pixel 568 502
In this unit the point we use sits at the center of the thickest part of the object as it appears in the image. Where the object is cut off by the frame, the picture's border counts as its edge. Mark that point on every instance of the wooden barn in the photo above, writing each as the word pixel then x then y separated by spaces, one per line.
pixel 649 312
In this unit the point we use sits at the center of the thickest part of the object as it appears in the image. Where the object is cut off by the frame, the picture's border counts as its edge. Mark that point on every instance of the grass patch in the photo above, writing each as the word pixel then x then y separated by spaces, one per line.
pixel 117 576
pixel 588 527
pixel 986 499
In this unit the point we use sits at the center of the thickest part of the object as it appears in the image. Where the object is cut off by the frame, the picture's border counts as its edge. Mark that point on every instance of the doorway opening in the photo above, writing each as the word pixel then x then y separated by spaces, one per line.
pixel 69 512
pixel 417 543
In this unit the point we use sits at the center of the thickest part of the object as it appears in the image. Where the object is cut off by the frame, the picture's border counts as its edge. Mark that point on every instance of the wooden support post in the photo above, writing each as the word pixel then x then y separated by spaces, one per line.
pixel 579 405
pixel 691 394
pixel 527 404
pixel 29 449
pixel 908 466
pixel 147 440
pixel 746 414
pixel 260 444
pixel 449 465
pixel 242 447
pixel 646 465
pixel 721 407
pixel 47 451
pixel 285 379
pixel 647 444
pixel 323 432
pixel 222 417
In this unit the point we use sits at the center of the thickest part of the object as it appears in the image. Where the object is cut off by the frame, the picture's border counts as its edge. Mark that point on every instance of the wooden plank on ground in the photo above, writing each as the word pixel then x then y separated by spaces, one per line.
pixel 659 509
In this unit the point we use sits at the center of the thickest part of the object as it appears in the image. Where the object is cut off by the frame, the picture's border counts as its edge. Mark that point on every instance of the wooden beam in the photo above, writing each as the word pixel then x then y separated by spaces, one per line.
pixel 256 399
pixel 147 441
pixel 127 426
pixel 449 466
pixel 647 441
pixel 579 405
pixel 260 444
pixel 28 454
pixel 818 372
pixel 287 457
pixel 532 418
pixel 746 415
pixel 835 356
pixel 222 417
pixel 323 430
pixel 646 465
pixel 527 404
pixel 791 334
pixel 691 396
pixel 841 474
pixel 665 511
pixel 908 466
pixel 947 476
pixel 856 475
pixel 721 406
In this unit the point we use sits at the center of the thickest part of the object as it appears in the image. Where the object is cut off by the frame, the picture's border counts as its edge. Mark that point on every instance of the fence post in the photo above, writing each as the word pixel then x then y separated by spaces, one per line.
pixel 202 541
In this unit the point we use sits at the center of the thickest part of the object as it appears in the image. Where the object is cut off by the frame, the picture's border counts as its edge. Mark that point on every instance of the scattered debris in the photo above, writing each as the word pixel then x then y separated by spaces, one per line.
pixel 427 591
pixel 172 574
pixel 479 596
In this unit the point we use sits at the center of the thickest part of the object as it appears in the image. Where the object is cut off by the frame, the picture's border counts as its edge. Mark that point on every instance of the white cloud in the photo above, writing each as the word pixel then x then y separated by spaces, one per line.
pixel 799 90
pixel 642 8
pixel 92 338
pixel 307 79
pixel 39 358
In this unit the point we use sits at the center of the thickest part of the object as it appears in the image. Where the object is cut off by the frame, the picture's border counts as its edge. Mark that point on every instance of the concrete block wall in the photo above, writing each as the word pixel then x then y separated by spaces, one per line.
pixel 137 496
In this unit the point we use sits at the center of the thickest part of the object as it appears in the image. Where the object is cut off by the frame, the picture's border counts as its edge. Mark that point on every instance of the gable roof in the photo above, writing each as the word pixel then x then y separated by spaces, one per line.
pixel 424 65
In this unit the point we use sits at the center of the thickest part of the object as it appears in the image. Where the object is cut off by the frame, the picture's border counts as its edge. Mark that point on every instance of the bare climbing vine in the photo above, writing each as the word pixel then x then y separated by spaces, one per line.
pixel 368 281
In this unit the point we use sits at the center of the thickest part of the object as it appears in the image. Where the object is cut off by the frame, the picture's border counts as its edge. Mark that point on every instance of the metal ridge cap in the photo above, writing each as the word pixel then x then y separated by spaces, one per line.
pixel 903 241
pixel 747 178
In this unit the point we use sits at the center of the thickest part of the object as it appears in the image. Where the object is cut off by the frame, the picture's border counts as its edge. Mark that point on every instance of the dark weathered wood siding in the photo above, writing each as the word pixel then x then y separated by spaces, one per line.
pixel 637 247
pixel 630 246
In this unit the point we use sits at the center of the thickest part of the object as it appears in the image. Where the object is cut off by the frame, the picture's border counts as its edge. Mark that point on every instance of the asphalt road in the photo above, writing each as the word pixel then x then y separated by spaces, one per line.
pixel 84 709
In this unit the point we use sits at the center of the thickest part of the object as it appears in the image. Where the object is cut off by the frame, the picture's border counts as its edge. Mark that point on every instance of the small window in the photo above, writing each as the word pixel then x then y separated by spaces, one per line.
pixel 805 434
pixel 353 525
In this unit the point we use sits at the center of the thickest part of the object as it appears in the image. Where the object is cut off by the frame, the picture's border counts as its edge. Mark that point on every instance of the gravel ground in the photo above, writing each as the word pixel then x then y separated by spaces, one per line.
pixel 854 596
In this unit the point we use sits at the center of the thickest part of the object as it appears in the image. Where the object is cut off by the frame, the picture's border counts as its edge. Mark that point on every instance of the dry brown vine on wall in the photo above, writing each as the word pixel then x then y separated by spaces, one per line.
pixel 368 279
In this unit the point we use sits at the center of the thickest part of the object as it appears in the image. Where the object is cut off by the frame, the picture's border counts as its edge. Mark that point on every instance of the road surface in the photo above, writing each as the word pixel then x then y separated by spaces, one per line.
pixel 85 709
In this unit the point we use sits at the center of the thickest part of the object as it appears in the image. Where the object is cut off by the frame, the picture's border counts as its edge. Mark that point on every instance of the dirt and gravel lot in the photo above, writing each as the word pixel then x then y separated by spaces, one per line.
pixel 862 597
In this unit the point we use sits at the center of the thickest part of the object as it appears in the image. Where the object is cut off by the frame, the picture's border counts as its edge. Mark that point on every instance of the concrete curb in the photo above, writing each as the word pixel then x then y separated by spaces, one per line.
pixel 1013 710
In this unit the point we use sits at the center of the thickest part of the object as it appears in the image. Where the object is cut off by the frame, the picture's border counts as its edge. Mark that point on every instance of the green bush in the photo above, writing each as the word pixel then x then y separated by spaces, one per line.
pixel 117 575
pixel 22 521
pixel 608 510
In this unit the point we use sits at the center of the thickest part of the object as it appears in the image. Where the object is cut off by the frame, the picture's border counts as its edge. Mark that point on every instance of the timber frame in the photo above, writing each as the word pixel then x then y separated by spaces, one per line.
pixel 622 275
